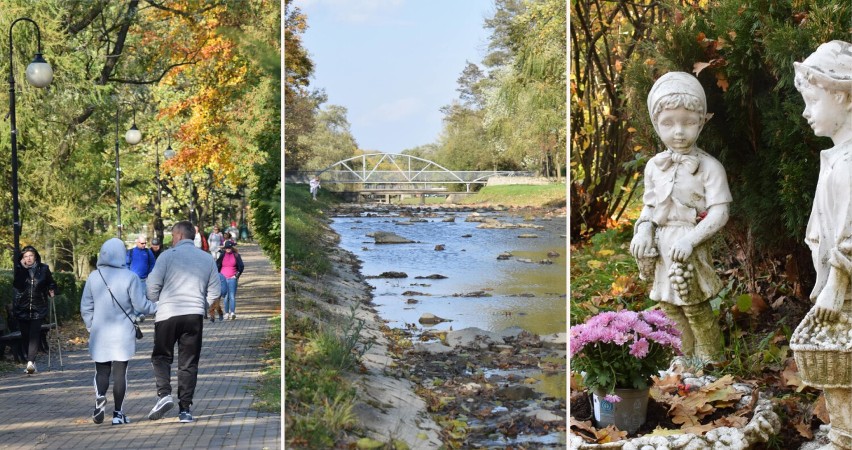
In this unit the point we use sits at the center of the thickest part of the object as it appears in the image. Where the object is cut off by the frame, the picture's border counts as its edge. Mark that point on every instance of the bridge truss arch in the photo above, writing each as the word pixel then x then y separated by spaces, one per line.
pixel 376 171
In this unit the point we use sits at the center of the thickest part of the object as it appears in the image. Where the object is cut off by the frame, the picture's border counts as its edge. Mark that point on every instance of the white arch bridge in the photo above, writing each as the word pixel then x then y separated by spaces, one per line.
pixel 395 174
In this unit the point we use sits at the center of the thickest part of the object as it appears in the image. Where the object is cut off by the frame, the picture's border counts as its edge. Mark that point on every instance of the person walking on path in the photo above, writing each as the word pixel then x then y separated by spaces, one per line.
pixel 140 260
pixel 214 241
pixel 33 284
pixel 111 298
pixel 183 283
pixel 156 247
pixel 197 239
pixel 230 265
pixel 315 185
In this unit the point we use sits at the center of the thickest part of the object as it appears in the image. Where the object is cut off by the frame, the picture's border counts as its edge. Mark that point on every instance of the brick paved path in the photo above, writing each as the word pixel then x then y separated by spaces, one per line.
pixel 52 409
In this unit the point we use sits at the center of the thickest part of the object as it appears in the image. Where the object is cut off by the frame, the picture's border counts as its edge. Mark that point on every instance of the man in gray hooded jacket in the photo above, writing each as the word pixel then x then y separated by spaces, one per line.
pixel 183 282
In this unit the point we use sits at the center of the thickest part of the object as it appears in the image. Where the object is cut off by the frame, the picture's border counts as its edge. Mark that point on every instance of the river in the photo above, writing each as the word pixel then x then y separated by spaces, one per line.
pixel 528 294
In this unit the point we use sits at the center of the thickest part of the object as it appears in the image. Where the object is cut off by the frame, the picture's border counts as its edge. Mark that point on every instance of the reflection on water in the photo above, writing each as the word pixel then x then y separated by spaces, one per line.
pixel 524 294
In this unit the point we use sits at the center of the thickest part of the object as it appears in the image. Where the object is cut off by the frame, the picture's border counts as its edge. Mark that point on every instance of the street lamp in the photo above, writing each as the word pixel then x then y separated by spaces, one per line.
pixel 169 154
pixel 39 74
pixel 158 219
pixel 133 136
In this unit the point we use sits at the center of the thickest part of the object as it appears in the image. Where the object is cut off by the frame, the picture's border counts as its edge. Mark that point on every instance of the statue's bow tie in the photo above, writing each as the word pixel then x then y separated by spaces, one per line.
pixel 666 159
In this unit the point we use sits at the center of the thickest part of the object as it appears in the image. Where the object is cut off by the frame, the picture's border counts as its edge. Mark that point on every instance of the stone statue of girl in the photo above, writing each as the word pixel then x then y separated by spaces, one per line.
pixel 822 343
pixel 685 203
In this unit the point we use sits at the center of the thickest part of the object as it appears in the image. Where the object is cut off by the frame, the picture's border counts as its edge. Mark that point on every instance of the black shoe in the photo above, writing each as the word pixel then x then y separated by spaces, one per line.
pixel 185 416
pixel 100 407
pixel 212 319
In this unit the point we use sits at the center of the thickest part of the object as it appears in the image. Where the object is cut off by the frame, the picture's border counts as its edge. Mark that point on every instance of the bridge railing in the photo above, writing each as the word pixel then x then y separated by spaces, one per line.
pixel 397 177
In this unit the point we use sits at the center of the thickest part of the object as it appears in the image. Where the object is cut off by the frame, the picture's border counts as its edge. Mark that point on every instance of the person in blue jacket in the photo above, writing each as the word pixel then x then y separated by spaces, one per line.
pixel 140 259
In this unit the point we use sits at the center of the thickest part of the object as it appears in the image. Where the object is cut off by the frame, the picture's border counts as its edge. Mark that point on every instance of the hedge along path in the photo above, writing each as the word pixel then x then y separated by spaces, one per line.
pixel 52 409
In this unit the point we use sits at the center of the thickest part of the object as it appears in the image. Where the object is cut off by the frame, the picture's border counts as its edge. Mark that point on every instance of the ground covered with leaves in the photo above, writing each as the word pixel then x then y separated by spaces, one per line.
pixel 481 396
pixel 757 315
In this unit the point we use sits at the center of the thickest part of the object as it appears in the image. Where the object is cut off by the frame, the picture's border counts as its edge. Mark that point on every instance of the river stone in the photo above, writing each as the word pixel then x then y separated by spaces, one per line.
pixel 504 256
pixel 440 247
pixel 384 237
pixel 467 235
pixel 510 333
pixel 556 340
pixel 392 275
pixel 553 254
pixel 516 392
pixel 545 261
pixel 413 293
pixel 544 415
pixel 470 337
pixel 449 219
pixel 474 294
pixel 434 348
pixel 434 276
pixel 431 319
pixel 522 236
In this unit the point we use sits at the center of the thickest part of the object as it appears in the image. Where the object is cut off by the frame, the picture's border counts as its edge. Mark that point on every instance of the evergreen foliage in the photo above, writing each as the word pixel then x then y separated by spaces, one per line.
pixel 743 54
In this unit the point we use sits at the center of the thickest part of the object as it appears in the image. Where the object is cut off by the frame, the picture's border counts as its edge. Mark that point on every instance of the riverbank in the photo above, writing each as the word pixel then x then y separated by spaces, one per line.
pixel 404 387
pixel 484 387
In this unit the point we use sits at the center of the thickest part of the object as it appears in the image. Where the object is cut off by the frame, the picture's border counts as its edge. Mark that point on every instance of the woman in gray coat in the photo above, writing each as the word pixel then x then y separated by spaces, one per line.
pixel 112 336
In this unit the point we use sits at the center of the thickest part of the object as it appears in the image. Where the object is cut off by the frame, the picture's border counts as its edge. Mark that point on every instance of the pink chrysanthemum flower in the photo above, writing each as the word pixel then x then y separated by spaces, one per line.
pixel 612 398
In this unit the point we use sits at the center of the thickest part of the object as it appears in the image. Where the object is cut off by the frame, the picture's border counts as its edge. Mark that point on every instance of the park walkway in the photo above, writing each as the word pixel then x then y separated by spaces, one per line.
pixel 52 409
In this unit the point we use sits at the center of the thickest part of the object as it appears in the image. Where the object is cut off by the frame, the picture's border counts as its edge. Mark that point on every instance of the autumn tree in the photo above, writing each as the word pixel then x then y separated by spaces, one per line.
pixel 605 163
pixel 111 59
pixel 510 114
pixel 300 102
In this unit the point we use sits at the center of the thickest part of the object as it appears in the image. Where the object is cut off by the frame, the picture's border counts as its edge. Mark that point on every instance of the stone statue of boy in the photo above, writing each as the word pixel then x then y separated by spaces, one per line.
pixel 685 203
pixel 822 343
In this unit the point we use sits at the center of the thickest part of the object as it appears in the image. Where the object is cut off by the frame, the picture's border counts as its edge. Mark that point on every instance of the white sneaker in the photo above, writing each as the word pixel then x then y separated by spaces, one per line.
pixel 31 368
pixel 164 404
pixel 233 316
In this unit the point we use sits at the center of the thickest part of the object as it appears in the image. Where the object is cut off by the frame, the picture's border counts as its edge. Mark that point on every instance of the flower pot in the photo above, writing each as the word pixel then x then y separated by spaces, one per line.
pixel 627 415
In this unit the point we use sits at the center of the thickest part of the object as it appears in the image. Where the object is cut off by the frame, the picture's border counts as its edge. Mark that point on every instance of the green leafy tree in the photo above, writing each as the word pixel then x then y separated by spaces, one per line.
pixel 331 139
pixel 743 55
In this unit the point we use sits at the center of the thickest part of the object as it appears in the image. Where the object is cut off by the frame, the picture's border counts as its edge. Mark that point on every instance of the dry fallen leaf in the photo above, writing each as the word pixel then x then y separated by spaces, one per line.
pixel 820 410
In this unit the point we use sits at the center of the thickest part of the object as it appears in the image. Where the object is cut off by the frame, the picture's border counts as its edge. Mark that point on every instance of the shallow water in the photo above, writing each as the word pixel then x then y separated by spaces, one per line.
pixel 528 295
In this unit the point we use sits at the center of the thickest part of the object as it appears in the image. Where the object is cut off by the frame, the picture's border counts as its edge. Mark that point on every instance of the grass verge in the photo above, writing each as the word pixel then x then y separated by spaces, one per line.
pixel 319 400
pixel 303 232
pixel 268 392
pixel 520 195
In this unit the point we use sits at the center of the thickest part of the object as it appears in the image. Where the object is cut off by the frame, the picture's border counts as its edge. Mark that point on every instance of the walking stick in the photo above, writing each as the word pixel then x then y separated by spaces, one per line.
pixel 54 327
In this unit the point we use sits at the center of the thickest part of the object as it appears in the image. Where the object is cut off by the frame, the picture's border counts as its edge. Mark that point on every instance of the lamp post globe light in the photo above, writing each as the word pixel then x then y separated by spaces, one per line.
pixel 39 74
pixel 132 137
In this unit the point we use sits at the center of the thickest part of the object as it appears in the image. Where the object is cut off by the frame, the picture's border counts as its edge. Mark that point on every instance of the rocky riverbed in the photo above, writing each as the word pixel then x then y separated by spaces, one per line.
pixel 467 388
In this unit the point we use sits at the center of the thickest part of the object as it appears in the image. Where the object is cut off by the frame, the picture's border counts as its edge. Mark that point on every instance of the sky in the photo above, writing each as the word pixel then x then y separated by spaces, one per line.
pixel 393 63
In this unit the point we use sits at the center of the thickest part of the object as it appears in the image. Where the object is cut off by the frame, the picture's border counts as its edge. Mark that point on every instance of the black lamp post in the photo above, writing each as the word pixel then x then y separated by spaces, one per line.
pixel 133 136
pixel 158 219
pixel 39 74
pixel 169 154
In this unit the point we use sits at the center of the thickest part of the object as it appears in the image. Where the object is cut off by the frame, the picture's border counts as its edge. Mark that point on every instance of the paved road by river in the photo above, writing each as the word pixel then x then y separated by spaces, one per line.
pixel 52 409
